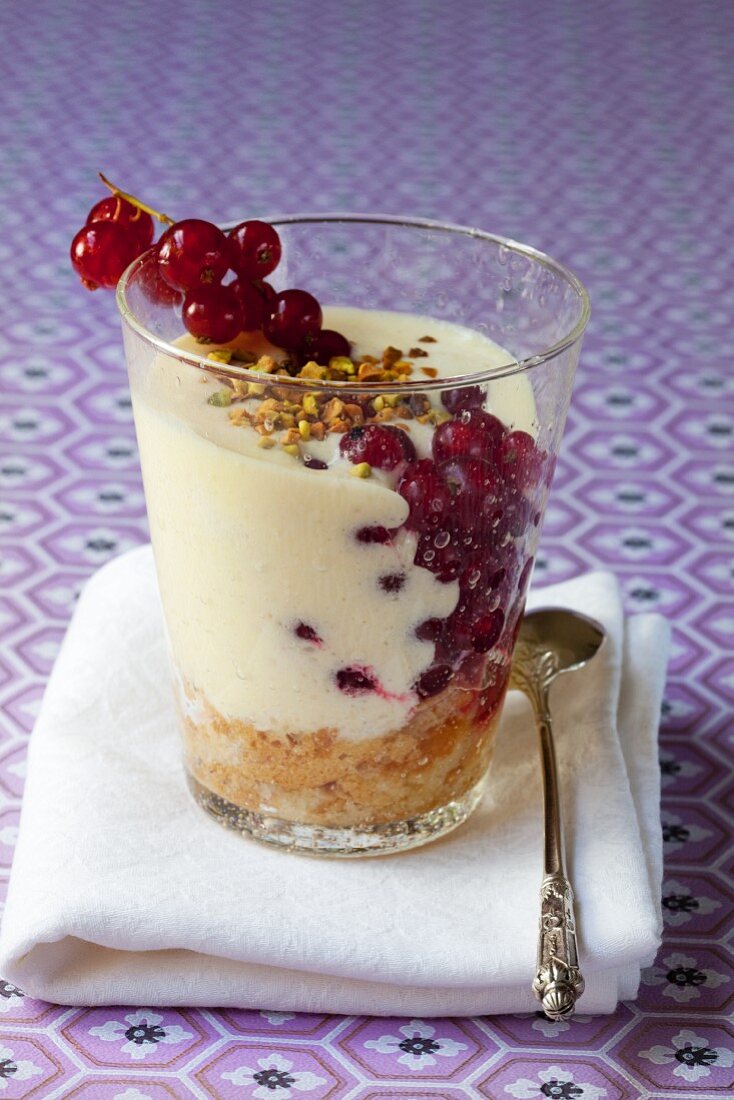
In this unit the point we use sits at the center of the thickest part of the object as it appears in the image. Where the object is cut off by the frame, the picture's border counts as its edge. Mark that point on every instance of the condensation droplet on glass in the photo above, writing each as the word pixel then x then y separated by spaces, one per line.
pixel 441 540
pixel 503 254
pixel 239 673
pixel 429 555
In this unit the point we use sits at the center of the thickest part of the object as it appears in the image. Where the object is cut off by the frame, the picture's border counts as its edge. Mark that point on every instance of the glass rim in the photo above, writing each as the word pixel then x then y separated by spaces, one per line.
pixel 514 366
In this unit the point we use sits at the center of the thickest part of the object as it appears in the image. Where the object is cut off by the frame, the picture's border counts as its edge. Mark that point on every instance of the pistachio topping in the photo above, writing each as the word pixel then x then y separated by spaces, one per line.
pixel 220 355
pixel 273 406
pixel 362 469
pixel 220 398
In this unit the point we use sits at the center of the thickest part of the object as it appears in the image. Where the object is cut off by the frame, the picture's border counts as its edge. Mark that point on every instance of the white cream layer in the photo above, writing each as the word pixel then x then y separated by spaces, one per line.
pixel 249 544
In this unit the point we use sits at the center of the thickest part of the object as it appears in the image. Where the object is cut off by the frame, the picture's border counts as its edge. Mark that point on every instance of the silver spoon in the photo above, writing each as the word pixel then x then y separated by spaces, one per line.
pixel 550 642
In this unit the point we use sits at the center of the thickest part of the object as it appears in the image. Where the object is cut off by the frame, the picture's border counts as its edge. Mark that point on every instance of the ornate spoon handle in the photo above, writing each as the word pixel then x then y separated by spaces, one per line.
pixel 558 981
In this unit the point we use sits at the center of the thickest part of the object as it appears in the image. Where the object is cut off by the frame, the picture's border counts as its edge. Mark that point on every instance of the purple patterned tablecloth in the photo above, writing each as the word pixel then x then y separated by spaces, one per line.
pixel 600 132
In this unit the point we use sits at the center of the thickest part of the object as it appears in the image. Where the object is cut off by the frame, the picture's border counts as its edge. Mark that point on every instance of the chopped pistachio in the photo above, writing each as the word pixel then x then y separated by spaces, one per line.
pixel 305 429
pixel 220 355
pixel 378 403
pixel 312 370
pixel 255 389
pixel 343 363
pixel 369 372
pixel 220 398
pixel 310 405
pixel 392 399
pixel 266 442
pixel 291 448
pixel 238 416
pixel 362 469
pixel 332 410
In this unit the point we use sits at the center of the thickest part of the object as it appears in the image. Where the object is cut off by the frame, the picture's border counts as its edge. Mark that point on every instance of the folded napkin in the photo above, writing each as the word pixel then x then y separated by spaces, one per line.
pixel 123 891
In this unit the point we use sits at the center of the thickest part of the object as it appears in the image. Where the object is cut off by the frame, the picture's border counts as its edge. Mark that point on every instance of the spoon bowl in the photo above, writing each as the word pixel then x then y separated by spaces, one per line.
pixel 572 637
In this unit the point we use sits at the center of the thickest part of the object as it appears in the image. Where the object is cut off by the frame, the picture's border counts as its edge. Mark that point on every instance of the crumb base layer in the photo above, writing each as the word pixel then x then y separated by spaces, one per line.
pixel 346 841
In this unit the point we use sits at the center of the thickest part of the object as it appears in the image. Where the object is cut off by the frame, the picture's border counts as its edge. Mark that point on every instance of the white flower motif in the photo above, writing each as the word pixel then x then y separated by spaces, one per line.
pixel 682 978
pixel 10 996
pixel 693 1053
pixel 679 905
pixel 277 1018
pixel 15 1069
pixel 417 1045
pixel 132 1094
pixel 551 1028
pixel 274 1078
pixel 554 1082
pixel 141 1032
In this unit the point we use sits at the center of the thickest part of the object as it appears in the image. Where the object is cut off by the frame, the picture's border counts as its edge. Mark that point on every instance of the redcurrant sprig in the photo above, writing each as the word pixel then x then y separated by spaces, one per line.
pixel 188 267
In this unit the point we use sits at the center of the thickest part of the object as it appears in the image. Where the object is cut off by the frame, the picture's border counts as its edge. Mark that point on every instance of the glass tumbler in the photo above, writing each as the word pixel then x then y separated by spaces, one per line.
pixel 344 543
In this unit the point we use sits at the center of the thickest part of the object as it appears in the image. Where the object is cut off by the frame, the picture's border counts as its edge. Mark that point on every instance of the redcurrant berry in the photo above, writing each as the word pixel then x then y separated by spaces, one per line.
pixel 327 345
pixel 295 320
pixel 212 313
pixel 433 681
pixel 473 434
pixel 193 252
pixel 251 303
pixel 154 286
pixel 115 209
pixel 463 397
pixel 521 460
pixel 101 251
pixel 426 493
pixel 382 445
pixel 356 680
pixel 256 249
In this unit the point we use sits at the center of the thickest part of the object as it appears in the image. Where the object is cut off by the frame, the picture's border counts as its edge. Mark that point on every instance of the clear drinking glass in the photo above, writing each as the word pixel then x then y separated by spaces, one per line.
pixel 343 553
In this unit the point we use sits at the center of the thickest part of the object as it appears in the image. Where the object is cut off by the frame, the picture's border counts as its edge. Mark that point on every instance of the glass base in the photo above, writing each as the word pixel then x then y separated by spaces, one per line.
pixel 345 841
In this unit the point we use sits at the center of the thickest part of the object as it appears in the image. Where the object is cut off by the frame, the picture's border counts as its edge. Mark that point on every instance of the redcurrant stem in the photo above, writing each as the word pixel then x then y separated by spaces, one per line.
pixel 136 202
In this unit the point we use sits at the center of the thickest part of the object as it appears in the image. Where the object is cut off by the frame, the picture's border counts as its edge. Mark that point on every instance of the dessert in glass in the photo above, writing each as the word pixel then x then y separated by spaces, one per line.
pixel 344 537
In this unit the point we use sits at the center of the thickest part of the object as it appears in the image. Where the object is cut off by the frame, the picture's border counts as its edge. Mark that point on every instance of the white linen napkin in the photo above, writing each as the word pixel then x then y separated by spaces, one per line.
pixel 124 892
